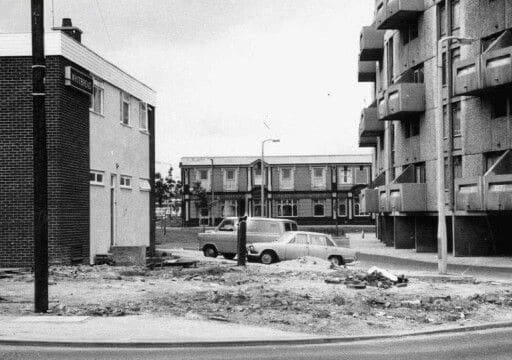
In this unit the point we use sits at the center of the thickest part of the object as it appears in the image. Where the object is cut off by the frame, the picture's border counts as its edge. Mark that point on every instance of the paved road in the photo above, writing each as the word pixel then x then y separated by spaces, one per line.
pixel 489 344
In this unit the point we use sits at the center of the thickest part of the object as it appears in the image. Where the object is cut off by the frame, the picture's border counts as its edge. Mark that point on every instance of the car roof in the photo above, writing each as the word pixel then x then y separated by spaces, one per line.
pixel 260 218
pixel 306 233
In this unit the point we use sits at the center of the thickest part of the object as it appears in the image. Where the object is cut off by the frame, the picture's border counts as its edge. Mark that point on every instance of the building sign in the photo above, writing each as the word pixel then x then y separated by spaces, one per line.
pixel 78 80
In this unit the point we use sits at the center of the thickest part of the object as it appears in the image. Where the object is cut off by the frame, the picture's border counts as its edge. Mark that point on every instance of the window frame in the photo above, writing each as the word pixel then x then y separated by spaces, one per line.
pixel 319 202
pixel 319 182
pixel 125 99
pixel 345 175
pixel 144 188
pixel 286 184
pixel 291 202
pixel 343 201
pixel 97 173
pixel 143 109
pixel 122 179
pixel 97 85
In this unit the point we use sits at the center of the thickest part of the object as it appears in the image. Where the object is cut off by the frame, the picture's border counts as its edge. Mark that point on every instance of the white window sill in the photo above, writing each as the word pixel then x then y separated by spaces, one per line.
pixel 319 216
pixel 96 184
pixel 96 113
pixel 145 132
pixel 126 125
pixel 125 187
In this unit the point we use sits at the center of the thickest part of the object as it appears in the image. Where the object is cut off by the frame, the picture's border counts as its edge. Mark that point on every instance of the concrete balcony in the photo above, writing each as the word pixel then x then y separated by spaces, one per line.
pixel 367 71
pixel 369 200
pixel 396 14
pixel 467 77
pixel 497 69
pixel 468 194
pixel 383 199
pixel 408 197
pixel 400 101
pixel 371 44
pixel 498 192
pixel 369 124
pixel 367 141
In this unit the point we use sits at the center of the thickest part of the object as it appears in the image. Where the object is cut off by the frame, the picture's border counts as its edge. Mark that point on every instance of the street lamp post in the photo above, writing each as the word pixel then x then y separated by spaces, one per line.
pixel 262 204
pixel 213 195
pixel 442 242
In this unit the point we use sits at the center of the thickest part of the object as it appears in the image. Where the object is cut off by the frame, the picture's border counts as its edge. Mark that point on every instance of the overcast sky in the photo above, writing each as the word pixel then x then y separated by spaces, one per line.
pixel 223 67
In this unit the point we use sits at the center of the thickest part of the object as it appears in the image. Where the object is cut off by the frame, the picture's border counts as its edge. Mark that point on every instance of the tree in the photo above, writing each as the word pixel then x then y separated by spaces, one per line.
pixel 161 189
pixel 200 197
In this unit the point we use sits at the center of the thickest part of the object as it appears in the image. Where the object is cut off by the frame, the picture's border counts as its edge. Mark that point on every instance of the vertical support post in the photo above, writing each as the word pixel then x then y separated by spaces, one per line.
pixel 242 241
pixel 441 227
pixel 213 197
pixel 263 177
pixel 40 160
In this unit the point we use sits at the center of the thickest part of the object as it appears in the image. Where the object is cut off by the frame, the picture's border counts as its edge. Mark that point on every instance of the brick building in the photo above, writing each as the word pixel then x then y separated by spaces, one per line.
pixel 308 189
pixel 398 55
pixel 100 150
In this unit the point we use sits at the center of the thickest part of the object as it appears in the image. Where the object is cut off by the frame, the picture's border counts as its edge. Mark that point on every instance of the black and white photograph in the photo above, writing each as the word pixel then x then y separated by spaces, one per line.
pixel 256 179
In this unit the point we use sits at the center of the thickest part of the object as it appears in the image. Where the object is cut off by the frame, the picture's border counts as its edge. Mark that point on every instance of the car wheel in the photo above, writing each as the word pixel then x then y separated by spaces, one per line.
pixel 210 251
pixel 229 256
pixel 336 260
pixel 268 257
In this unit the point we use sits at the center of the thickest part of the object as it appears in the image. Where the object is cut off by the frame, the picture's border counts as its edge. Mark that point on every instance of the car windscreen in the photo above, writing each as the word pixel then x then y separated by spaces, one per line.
pixel 227 225
pixel 263 227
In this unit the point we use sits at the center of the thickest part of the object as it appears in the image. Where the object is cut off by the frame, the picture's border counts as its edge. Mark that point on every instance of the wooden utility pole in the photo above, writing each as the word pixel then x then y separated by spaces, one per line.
pixel 40 160
pixel 242 241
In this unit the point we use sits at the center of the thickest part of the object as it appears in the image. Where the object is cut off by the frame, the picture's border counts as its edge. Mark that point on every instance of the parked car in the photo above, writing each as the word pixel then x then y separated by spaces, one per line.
pixel 296 244
pixel 223 239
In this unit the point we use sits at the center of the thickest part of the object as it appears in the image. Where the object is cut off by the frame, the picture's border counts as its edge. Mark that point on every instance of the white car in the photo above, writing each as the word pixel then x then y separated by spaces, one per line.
pixel 295 244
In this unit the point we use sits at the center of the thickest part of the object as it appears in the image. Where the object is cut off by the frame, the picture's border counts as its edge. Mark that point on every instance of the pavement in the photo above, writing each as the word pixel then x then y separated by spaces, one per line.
pixel 168 331
pixel 371 248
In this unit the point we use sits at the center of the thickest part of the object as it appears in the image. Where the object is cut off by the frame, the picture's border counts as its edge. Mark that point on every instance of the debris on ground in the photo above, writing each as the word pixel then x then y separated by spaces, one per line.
pixel 374 277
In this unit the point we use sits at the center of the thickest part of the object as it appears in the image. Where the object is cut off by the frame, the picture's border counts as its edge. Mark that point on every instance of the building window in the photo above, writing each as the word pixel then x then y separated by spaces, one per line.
pixel 357 207
pixel 456 119
pixel 342 207
pixel 409 33
pixel 144 185
pixel 455 16
pixel 97 97
pixel 491 158
pixel 420 173
pixel 203 175
pixel 319 207
pixel 390 58
pixel 96 177
pixel 442 19
pixel 125 182
pixel 230 180
pixel 286 178
pixel 443 67
pixel 345 175
pixel 318 180
pixel 445 121
pixel 415 127
pixel 418 75
pixel 143 116
pixel 498 106
pixel 125 108
pixel 287 208
pixel 457 167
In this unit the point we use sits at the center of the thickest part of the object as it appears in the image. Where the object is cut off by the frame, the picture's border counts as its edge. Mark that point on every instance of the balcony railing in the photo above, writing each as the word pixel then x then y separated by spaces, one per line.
pixel 371 44
pixel 395 14
pixel 369 200
pixel 408 197
pixel 367 141
pixel 402 100
pixel 468 194
pixel 369 125
pixel 498 192
pixel 367 71
pixel 491 71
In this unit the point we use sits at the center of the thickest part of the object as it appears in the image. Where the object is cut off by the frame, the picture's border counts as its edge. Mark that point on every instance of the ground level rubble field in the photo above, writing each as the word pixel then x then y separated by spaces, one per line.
pixel 290 296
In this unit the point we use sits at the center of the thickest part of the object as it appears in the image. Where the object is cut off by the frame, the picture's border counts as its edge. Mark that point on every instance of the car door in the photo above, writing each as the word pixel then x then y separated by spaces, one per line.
pixel 317 246
pixel 226 236
pixel 297 247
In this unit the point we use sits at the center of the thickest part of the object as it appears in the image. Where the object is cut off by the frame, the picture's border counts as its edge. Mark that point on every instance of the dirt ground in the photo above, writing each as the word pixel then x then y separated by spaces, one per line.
pixel 290 295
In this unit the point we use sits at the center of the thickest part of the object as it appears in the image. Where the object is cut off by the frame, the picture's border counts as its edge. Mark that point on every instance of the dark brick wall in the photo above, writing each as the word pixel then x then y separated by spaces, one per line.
pixel 67 117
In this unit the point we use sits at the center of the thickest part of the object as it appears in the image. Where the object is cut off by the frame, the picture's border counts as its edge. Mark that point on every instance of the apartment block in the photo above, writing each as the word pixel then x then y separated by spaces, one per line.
pixel 308 189
pixel 398 55
pixel 100 134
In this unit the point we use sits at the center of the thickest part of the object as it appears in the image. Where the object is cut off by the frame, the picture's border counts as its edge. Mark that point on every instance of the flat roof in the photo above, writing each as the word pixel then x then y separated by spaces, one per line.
pixel 277 160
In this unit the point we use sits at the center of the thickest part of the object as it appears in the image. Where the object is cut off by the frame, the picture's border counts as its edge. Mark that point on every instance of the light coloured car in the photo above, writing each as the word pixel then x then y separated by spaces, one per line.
pixel 224 238
pixel 296 244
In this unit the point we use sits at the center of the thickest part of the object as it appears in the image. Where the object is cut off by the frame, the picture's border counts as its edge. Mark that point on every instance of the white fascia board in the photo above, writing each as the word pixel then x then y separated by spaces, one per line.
pixel 57 43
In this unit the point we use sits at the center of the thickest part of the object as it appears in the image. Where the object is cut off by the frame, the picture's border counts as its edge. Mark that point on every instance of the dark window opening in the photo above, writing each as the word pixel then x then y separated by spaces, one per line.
pixel 499 106
pixel 456 119
pixel 457 167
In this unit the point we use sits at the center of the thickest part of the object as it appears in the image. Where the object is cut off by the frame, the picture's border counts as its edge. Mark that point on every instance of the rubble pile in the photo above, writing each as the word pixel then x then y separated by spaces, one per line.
pixel 375 277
